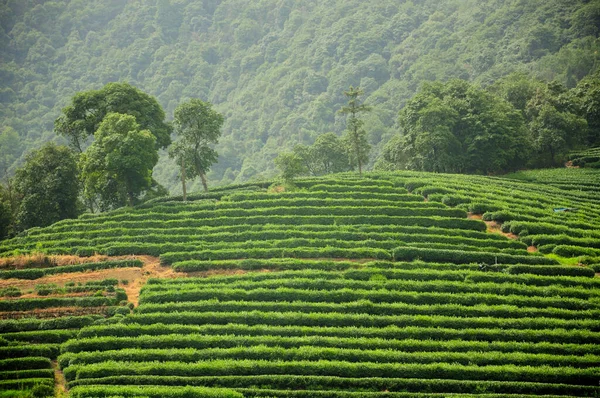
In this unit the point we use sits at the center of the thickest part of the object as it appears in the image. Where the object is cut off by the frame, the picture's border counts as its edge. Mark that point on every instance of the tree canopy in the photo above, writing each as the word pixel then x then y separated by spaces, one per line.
pixel 87 110
pixel 456 127
pixel 277 69
pixel 48 187
pixel 117 167
pixel 198 127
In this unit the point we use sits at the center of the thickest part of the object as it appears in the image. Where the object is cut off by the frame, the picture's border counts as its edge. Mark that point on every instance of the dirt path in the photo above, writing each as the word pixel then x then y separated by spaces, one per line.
pixel 151 269
pixel 60 383
pixel 492 226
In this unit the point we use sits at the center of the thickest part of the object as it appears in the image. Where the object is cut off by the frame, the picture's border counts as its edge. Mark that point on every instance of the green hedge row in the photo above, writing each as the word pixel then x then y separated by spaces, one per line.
pixel 40 303
pixel 356 188
pixel 290 385
pixel 374 295
pixel 42 337
pixel 35 273
pixel 44 387
pixel 574 251
pixel 367 307
pixel 541 374
pixel 456 256
pixel 27 374
pixel 539 240
pixel 151 392
pixel 394 197
pixel 259 264
pixel 544 228
pixel 89 234
pixel 128 336
pixel 310 353
pixel 345 320
pixel 25 363
pixel 30 350
pixel 236 213
pixel 170 258
pixel 407 202
pixel 70 322
pixel 284 235
pixel 371 220
pixel 569 342
pixel 180 292
pixel 552 270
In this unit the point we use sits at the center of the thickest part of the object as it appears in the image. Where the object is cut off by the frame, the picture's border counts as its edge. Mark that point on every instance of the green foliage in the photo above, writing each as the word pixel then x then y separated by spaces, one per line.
pixel 291 165
pixel 326 156
pixel 276 69
pixel 198 127
pixel 458 128
pixel 117 167
pixel 355 137
pixel 48 186
pixel 89 108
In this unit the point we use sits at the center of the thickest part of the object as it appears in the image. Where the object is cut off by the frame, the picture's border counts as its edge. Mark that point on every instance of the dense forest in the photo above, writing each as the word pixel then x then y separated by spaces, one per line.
pixel 276 69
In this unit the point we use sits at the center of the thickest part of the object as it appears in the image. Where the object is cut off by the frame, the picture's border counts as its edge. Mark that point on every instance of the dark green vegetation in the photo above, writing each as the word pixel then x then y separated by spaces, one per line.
pixel 276 69
pixel 32 330
pixel 379 286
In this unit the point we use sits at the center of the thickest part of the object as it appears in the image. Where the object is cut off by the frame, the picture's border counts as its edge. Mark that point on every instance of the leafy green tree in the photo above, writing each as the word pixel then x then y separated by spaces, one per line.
pixel 198 127
pixel 551 114
pixel 327 155
pixel 355 138
pixel 88 109
pixel 117 168
pixel 457 127
pixel 554 132
pixel 586 98
pixel 48 187
pixel 290 165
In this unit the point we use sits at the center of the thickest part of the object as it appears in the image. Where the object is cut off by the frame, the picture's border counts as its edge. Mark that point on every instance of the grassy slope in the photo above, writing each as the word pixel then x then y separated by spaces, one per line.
pixel 342 319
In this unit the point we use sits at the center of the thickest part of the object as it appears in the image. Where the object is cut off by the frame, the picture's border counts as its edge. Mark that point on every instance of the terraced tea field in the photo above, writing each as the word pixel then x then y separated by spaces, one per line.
pixel 391 285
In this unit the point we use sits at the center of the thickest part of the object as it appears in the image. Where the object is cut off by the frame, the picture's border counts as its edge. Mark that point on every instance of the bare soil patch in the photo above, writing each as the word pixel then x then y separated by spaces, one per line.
pixel 135 277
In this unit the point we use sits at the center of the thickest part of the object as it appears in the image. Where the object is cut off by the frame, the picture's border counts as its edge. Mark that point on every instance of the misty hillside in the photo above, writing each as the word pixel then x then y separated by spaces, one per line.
pixel 276 69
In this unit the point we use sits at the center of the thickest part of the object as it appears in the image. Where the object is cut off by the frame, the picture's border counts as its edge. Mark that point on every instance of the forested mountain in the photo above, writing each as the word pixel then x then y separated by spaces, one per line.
pixel 276 69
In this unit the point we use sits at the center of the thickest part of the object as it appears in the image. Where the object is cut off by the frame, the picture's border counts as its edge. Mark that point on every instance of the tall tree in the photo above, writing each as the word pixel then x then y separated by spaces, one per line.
pixel 198 127
pixel 290 165
pixel 457 127
pixel 355 138
pixel 48 187
pixel 327 155
pixel 586 97
pixel 87 110
pixel 117 167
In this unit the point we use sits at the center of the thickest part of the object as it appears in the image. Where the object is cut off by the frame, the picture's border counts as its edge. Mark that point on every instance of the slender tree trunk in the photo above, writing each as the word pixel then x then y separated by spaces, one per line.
pixel 183 179
pixel 204 184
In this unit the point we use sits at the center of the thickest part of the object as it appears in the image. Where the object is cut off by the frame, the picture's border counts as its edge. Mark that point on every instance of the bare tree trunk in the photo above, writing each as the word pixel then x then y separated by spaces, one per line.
pixel 183 179
pixel 204 184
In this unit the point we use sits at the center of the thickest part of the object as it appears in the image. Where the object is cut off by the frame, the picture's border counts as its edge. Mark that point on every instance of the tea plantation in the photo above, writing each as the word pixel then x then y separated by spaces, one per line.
pixel 391 285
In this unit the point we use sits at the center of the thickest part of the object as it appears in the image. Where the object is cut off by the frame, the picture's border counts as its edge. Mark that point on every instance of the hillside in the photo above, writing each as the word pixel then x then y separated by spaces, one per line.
pixel 391 285
pixel 276 69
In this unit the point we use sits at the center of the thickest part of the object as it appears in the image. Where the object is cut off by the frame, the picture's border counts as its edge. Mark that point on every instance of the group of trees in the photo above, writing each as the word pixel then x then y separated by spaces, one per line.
pixel 276 68
pixel 330 154
pixel 516 122
pixel 114 134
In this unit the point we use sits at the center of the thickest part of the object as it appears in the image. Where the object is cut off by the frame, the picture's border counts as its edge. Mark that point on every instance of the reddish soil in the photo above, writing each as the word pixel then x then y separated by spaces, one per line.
pixel 492 226
pixel 532 249
pixel 135 277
